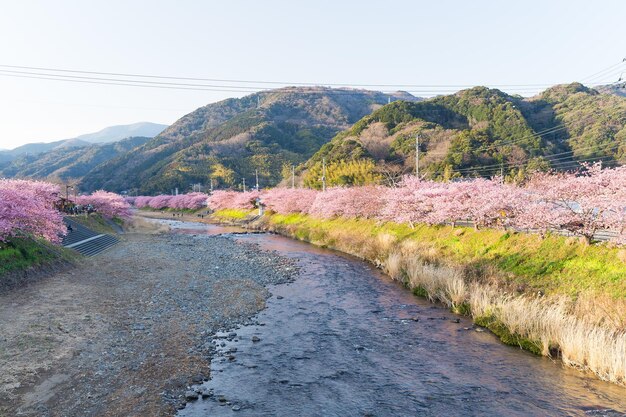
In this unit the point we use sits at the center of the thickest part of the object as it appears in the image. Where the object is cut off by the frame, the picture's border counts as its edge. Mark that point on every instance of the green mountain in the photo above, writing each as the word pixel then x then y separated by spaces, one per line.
pixel 230 140
pixel 477 132
pixel 67 163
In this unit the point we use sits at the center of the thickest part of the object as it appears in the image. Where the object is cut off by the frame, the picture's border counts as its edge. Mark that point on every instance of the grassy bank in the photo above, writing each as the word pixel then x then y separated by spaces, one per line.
pixel 21 254
pixel 554 296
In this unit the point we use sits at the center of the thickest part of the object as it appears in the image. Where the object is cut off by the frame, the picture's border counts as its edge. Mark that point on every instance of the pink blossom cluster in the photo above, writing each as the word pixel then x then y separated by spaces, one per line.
pixel 27 208
pixel 108 204
pixel 581 203
pixel 191 201
pixel 364 202
pixel 223 199
pixel 288 200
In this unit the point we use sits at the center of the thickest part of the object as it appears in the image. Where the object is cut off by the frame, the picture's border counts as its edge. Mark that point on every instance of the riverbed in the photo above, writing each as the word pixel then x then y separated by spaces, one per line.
pixel 343 339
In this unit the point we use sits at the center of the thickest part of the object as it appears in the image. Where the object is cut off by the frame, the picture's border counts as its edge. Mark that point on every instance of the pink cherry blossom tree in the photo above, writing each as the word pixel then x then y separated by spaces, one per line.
pixel 108 204
pixel 27 209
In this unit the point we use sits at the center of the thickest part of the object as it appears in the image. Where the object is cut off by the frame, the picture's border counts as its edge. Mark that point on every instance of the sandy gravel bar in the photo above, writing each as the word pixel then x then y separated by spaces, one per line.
pixel 125 333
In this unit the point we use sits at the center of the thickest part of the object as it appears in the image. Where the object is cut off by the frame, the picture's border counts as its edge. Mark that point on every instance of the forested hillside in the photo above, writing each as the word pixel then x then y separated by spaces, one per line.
pixel 477 132
pixel 229 140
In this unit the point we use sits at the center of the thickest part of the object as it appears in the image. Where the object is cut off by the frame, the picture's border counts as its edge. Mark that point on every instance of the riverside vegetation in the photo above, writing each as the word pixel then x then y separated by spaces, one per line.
pixel 554 295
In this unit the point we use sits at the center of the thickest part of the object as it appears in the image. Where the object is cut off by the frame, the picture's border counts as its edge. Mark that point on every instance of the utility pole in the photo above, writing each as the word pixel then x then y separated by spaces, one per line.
pixel 244 185
pixel 293 176
pixel 388 99
pixel 501 172
pixel 211 184
pixel 323 174
pixel 417 155
pixel 256 175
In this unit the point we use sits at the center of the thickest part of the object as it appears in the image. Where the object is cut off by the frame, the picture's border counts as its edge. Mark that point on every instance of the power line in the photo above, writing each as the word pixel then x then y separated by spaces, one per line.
pixel 603 70
pixel 261 81
pixel 424 89
pixel 213 87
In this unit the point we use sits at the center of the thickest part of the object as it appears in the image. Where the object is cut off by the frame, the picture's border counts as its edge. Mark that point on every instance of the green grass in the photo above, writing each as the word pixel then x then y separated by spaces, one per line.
pixel 230 215
pixel 551 264
pixel 21 254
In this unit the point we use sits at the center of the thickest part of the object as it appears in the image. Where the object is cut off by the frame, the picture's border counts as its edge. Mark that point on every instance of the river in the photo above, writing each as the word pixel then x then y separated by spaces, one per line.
pixel 345 340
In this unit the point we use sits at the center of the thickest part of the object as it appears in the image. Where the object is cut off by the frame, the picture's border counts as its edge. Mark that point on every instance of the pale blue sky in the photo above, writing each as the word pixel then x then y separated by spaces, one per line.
pixel 353 42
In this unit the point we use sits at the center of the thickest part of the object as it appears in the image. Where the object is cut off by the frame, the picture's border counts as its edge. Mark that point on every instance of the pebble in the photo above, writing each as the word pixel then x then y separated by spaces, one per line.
pixel 191 395
pixel 255 339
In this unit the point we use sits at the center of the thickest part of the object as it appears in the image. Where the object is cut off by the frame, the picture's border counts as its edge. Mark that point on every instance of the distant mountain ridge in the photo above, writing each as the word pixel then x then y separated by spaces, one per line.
pixel 115 133
pixel 66 163
pixel 618 89
pixel 106 135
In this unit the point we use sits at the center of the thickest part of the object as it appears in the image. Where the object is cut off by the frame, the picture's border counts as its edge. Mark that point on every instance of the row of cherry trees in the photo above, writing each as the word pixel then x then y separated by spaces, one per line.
pixel 191 201
pixel 582 203
pixel 29 208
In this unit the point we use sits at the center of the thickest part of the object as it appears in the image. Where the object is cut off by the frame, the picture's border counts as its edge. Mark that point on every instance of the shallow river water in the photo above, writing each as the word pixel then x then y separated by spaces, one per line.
pixel 345 340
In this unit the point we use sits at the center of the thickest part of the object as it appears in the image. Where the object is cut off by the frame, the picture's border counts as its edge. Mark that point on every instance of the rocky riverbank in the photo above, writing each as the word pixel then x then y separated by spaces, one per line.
pixel 126 333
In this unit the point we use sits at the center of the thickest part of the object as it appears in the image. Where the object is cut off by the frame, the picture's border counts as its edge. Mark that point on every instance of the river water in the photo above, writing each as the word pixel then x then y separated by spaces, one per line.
pixel 345 340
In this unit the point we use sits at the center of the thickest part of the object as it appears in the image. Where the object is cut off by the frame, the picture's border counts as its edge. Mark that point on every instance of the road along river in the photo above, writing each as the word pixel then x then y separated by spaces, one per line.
pixel 345 340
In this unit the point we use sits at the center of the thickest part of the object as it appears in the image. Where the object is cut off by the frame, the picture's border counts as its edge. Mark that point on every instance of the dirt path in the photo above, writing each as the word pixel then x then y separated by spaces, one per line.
pixel 126 332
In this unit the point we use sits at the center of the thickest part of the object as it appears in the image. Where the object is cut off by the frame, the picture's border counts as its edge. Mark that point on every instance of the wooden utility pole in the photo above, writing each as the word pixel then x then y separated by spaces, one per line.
pixel 417 155
pixel 323 174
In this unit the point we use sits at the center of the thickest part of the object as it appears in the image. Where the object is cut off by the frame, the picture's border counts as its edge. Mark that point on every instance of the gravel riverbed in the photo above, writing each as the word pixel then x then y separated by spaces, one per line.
pixel 127 332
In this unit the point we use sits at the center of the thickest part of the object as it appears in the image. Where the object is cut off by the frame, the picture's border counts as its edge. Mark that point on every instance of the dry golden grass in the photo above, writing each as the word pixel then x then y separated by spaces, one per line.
pixel 579 330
